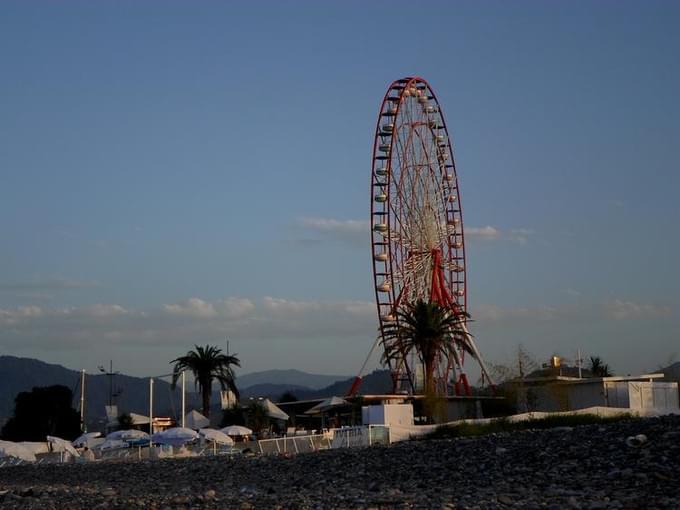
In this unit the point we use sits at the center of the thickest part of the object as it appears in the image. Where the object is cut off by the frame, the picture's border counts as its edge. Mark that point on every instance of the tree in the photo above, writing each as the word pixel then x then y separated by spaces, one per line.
pixel 41 412
pixel 208 364
pixel 257 417
pixel 288 396
pixel 428 329
pixel 598 367
pixel 233 416
pixel 125 422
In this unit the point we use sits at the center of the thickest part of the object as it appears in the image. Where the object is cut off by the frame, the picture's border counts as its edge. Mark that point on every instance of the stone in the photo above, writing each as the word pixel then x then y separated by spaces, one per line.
pixel 505 499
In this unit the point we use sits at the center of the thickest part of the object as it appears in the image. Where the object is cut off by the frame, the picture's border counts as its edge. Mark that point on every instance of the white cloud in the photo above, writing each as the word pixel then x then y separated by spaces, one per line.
pixel 520 235
pixel 278 305
pixel 13 316
pixel 620 310
pixel 230 308
pixel 487 232
pixel 338 226
pixel 357 231
pixel 101 310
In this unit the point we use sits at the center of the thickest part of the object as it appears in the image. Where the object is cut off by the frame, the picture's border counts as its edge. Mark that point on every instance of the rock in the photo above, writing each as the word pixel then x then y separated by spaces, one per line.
pixel 573 503
pixel 636 441
pixel 562 429
pixel 505 499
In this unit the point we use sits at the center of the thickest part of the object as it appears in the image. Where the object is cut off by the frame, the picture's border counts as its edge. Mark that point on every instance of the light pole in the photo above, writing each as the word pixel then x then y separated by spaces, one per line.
pixel 111 375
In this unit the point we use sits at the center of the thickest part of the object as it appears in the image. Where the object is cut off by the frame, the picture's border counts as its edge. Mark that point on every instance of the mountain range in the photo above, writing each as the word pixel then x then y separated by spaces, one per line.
pixel 131 394
pixel 288 377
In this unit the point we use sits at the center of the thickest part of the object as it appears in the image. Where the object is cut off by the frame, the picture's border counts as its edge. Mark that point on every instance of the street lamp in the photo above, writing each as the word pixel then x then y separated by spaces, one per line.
pixel 111 375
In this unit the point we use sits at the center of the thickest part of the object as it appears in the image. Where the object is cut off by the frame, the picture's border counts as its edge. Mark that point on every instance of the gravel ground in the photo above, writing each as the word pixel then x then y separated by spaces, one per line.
pixel 584 467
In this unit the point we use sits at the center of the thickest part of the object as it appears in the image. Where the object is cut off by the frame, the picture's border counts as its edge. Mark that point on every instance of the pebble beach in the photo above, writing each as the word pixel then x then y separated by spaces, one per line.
pixel 586 467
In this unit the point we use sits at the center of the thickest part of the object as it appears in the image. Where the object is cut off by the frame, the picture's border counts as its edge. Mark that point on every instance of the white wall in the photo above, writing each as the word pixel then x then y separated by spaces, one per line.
pixel 388 414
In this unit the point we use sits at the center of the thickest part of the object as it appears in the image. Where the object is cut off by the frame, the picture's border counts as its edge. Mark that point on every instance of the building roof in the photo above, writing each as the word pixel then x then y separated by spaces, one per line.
pixel 586 380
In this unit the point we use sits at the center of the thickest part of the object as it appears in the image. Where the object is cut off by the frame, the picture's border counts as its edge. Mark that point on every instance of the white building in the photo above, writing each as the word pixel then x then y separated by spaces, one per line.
pixel 562 393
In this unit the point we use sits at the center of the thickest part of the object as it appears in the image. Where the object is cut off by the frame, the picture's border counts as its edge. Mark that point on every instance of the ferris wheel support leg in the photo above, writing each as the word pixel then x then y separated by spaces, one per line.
pixel 357 380
pixel 477 354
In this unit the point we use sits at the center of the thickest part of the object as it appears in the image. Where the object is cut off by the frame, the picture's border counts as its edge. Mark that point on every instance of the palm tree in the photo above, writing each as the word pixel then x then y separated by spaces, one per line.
pixel 429 329
pixel 598 367
pixel 207 364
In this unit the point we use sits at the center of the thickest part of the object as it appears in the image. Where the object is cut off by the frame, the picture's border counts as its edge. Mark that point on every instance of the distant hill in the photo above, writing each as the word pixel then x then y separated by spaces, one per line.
pixel 22 374
pixel 272 391
pixel 671 372
pixel 377 382
pixel 287 378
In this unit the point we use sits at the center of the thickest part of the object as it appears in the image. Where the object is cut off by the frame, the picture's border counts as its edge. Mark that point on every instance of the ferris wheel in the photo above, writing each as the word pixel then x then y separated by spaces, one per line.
pixel 418 246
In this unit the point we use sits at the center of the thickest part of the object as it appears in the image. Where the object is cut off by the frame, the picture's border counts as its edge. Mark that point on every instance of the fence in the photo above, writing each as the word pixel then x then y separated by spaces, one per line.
pixel 294 444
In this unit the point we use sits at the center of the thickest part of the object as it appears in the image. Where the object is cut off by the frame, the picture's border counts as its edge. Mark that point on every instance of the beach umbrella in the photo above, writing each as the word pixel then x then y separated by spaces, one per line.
pixel 175 436
pixel 11 449
pixel 128 435
pixel 62 445
pixel 195 420
pixel 274 411
pixel 217 436
pixel 237 430
pixel 85 439
pixel 112 444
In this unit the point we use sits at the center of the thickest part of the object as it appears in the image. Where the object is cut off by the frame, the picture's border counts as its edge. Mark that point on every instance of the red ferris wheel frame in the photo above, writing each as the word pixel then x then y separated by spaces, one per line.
pixel 417 237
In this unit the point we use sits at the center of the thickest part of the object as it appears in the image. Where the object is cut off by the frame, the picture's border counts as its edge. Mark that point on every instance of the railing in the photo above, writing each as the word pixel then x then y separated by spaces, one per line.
pixel 294 444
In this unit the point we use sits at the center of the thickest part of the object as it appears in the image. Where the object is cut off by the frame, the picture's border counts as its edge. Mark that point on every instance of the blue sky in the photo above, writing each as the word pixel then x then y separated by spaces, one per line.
pixel 176 172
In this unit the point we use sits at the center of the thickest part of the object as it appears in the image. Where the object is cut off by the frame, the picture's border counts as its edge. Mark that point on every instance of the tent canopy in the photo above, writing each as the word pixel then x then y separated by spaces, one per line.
pixel 62 445
pixel 11 449
pixel 139 419
pixel 195 420
pixel 274 411
pixel 326 405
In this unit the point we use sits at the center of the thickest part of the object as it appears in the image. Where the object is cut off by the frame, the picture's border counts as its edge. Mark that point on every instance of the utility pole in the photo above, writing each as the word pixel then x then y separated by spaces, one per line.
pixel 83 427
pixel 111 375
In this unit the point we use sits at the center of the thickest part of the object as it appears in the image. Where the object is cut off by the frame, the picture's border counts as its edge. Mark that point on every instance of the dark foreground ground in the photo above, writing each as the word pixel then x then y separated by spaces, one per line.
pixel 586 467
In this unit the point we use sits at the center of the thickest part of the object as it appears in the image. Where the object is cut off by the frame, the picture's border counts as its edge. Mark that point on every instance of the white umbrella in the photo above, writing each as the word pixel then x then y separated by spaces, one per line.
pixel 175 436
pixel 237 430
pixel 62 445
pixel 216 436
pixel 112 444
pixel 85 439
pixel 274 411
pixel 11 449
pixel 195 420
pixel 128 435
